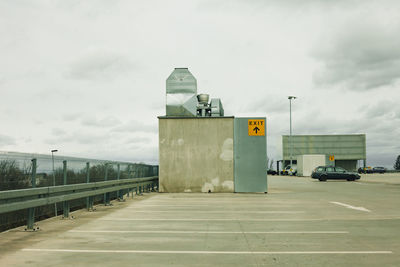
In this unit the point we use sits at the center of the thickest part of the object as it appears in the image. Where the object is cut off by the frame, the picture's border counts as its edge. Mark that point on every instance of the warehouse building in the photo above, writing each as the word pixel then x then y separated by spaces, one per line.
pixel 339 150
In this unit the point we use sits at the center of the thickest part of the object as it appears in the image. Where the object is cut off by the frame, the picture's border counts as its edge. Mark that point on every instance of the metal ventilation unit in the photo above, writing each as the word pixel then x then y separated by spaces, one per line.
pixel 182 98
pixel 181 93
pixel 216 108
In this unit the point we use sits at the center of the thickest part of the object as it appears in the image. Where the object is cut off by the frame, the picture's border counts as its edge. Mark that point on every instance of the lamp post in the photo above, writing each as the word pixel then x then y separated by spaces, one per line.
pixel 54 177
pixel 290 136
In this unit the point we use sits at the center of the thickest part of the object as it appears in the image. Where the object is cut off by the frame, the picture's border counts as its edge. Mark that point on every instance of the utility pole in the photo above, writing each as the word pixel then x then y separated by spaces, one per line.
pixel 290 136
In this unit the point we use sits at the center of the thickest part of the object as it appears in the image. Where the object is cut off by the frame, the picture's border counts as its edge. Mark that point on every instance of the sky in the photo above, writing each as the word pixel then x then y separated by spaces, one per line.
pixel 88 77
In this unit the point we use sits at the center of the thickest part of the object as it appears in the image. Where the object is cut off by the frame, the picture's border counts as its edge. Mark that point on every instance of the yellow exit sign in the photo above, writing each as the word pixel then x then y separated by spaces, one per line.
pixel 256 127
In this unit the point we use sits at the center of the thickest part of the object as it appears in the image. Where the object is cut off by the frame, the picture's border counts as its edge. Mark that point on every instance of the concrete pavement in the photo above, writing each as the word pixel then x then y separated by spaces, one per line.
pixel 300 222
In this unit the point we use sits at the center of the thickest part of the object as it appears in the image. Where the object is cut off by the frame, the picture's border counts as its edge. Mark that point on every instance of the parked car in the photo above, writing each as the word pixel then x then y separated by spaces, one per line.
pixel 289 170
pixel 324 173
pixel 368 169
pixel 378 170
pixel 271 172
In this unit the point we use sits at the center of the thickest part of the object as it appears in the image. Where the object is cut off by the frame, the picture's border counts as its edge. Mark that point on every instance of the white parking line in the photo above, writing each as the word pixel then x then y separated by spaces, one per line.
pixel 351 207
pixel 208 206
pixel 376 218
pixel 222 211
pixel 208 232
pixel 210 219
pixel 199 252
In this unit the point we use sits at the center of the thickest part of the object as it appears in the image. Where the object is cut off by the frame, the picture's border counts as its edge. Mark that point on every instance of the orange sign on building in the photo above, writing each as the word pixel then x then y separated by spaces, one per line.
pixel 256 127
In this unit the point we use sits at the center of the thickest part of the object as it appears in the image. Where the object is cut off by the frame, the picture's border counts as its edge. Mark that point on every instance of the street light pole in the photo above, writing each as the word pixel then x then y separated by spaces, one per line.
pixel 290 136
pixel 54 178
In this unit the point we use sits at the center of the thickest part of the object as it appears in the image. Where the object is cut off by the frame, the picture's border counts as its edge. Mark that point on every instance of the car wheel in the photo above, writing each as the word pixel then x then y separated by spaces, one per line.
pixel 322 179
pixel 352 178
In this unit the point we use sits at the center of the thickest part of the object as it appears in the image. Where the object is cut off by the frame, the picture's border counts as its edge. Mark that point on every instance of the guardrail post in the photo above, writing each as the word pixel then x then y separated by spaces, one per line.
pixel 31 211
pixel 120 196
pixel 65 203
pixel 130 176
pixel 89 200
pixel 106 195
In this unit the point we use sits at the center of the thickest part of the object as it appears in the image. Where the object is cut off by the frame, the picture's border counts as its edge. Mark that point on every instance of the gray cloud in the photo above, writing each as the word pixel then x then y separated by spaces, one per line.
pixel 136 126
pixel 138 140
pixel 72 116
pixel 104 122
pixel 287 4
pixel 270 104
pixel 79 138
pixel 386 109
pixel 58 131
pixel 359 57
pixel 99 66
pixel 7 140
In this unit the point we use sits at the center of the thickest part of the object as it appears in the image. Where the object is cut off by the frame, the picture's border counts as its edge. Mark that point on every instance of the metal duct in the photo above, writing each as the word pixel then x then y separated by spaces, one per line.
pixel 216 108
pixel 181 93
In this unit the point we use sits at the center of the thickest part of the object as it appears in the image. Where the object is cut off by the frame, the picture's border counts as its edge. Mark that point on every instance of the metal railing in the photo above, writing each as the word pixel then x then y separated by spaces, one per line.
pixel 20 199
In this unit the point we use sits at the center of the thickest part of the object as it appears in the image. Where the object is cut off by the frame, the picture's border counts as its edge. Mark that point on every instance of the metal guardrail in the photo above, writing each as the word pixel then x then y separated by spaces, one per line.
pixel 14 200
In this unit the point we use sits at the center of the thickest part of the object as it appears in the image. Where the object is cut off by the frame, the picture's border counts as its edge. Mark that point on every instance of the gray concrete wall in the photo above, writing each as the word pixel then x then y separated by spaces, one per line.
pixel 196 154
pixel 343 147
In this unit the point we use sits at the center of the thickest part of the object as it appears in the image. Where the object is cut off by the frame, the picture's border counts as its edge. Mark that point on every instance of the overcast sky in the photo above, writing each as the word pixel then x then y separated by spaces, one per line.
pixel 88 77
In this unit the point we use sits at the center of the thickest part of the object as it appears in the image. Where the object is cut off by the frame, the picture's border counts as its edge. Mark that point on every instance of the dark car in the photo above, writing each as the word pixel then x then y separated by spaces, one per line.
pixel 378 170
pixel 324 173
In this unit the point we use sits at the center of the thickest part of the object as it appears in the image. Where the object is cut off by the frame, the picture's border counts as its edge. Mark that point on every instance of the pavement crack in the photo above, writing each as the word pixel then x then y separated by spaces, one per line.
pixel 248 244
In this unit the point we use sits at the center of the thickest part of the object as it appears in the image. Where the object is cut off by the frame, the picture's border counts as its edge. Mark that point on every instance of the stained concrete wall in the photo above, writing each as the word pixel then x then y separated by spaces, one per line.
pixel 196 154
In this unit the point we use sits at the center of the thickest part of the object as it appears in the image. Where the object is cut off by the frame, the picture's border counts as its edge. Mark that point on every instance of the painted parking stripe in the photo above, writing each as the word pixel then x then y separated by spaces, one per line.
pixel 208 219
pixel 201 252
pixel 208 232
pixel 377 218
pixel 350 207
pixel 195 205
pixel 224 211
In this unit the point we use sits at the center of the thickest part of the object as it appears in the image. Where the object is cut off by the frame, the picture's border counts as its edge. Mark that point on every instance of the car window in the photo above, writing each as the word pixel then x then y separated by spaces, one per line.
pixel 339 169
pixel 320 169
pixel 329 169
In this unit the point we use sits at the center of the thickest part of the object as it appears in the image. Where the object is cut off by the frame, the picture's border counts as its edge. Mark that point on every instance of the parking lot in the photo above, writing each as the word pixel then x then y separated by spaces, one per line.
pixel 300 222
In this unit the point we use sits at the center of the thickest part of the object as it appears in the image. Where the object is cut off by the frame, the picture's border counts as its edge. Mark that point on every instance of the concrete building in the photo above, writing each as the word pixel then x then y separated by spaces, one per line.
pixel 340 150
pixel 201 150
